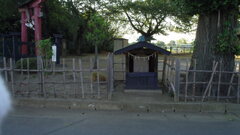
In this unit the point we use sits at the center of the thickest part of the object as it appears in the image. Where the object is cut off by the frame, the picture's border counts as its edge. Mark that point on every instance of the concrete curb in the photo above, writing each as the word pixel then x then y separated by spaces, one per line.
pixel 131 107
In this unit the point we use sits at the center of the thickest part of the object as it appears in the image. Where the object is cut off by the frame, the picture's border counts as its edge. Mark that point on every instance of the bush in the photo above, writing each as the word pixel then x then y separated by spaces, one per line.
pixel 45 47
pixel 32 63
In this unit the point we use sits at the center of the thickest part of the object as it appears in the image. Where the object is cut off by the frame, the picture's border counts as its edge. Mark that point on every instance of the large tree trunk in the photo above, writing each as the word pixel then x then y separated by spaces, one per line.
pixel 209 27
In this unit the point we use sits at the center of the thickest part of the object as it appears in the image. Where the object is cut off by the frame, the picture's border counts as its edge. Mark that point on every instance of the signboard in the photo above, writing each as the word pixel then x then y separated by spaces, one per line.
pixel 54 53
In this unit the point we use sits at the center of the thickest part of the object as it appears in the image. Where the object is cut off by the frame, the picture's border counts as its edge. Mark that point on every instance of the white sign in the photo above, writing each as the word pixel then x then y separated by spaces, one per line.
pixel 54 51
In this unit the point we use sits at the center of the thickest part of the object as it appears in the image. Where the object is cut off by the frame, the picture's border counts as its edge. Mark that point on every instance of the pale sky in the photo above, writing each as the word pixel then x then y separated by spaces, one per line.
pixel 132 37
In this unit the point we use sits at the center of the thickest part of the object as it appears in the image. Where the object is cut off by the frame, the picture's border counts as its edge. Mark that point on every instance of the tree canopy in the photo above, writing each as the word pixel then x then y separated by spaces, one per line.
pixel 192 7
pixel 146 17
pixel 216 37
pixel 67 17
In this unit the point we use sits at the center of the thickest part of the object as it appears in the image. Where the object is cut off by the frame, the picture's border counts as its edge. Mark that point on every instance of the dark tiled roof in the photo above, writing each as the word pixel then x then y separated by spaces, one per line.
pixel 142 45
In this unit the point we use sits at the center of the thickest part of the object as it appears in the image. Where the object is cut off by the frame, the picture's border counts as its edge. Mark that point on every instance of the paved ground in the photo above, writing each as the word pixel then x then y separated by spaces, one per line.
pixel 141 96
pixel 32 121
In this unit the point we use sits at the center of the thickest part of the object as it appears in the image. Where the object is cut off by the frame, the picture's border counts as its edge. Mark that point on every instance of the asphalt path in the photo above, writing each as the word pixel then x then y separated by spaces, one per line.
pixel 46 121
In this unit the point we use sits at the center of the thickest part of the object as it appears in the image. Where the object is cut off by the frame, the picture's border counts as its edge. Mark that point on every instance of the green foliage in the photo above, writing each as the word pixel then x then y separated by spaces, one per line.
pixel 182 41
pixel 172 43
pixel 187 11
pixel 146 17
pixel 45 47
pixel 161 44
pixel 192 7
pixel 32 63
pixel 62 17
pixel 71 19
pixel 99 31
pixel 228 41
pixel 67 17
pixel 9 15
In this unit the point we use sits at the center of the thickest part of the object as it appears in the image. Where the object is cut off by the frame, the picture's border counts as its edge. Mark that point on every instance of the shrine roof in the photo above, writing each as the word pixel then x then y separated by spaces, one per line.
pixel 142 45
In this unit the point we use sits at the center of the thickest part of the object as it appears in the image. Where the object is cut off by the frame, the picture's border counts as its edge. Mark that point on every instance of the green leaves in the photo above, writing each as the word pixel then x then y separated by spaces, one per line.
pixel 193 7
pixel 228 42
pixel 45 47
pixel 147 17
pixel 9 16
pixel 99 31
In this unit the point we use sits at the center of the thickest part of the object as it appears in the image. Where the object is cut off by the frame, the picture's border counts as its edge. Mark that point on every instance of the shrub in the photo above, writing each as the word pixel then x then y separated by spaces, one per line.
pixel 32 63
pixel 45 47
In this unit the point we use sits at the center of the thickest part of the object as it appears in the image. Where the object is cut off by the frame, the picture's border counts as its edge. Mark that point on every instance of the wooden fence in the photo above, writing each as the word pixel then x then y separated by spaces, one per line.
pixel 180 50
pixel 183 83
pixel 73 78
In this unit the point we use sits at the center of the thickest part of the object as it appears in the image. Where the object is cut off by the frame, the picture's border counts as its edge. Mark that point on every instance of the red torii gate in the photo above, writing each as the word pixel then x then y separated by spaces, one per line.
pixel 31 17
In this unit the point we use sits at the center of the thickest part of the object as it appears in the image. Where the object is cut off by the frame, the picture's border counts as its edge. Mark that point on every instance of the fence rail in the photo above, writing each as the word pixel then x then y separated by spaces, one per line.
pixel 74 78
pixel 185 86
pixel 180 50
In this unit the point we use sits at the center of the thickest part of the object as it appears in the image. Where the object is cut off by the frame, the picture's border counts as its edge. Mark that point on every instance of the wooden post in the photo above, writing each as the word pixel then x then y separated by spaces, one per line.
pixel 54 65
pixel 230 85
pixel 64 79
pixel 43 80
pixel 74 77
pixel 28 76
pixel 164 68
pixel 210 88
pixel 5 68
pixel 168 68
pixel 171 75
pixel 177 81
pixel 21 67
pixel 123 69
pixel 186 85
pixel 91 75
pixel 98 79
pixel 54 83
pixel 81 77
pixel 21 70
pixel 238 87
pixel 194 76
pixel 219 80
pixel 210 81
pixel 12 77
pixel 110 75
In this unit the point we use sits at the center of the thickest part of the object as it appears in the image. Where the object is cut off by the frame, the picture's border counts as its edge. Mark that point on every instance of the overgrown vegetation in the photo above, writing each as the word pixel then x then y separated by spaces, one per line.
pixel 69 18
pixel 26 63
pixel 216 38
pixel 45 47
pixel 228 41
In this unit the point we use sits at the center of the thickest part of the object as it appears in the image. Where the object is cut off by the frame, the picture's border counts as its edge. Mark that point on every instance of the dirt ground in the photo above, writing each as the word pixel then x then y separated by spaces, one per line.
pixel 28 85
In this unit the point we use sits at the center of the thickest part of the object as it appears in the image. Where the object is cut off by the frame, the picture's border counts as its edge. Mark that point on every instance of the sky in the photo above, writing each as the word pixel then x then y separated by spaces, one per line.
pixel 132 37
